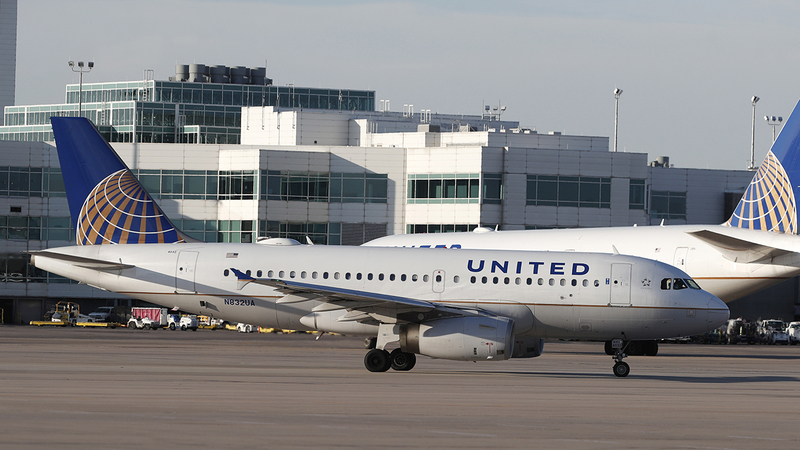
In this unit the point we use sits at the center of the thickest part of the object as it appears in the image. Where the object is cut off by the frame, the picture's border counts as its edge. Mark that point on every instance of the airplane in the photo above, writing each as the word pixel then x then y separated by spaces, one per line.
pixel 755 248
pixel 468 305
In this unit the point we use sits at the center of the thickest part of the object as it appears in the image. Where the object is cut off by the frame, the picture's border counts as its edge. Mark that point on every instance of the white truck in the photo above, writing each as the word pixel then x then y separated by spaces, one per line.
pixel 101 314
pixel 772 331
pixel 183 323
pixel 793 332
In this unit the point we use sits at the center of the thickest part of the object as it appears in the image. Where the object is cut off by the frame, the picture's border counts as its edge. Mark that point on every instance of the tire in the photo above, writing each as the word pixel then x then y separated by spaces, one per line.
pixel 402 361
pixel 377 360
pixel 183 327
pixel 194 328
pixel 172 326
pixel 147 326
pixel 622 369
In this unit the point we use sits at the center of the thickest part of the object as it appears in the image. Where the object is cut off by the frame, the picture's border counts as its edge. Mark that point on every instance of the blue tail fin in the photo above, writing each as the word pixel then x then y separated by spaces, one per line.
pixel 770 202
pixel 106 202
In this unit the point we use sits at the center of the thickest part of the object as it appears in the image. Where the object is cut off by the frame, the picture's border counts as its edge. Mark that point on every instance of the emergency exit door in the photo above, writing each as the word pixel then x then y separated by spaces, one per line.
pixel 185 273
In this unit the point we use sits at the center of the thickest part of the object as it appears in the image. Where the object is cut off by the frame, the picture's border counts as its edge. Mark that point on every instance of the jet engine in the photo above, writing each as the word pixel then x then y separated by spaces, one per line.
pixel 473 338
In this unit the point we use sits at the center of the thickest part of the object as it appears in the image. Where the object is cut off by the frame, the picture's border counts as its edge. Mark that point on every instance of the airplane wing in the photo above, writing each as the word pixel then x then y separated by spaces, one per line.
pixel 739 250
pixel 89 263
pixel 361 305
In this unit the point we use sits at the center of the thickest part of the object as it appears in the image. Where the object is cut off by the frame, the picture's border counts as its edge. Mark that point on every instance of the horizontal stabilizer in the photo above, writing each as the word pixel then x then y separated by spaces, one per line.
pixel 739 250
pixel 79 261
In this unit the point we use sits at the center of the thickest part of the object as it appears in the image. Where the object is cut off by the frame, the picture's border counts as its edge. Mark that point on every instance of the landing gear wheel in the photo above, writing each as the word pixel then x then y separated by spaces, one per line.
pixel 370 343
pixel 622 369
pixel 402 361
pixel 377 360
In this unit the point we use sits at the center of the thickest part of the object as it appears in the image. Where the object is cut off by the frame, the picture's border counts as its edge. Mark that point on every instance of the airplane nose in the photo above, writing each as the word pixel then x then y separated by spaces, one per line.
pixel 718 312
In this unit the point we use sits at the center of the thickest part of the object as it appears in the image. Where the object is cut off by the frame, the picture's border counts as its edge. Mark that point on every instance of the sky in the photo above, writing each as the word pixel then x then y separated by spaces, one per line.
pixel 688 69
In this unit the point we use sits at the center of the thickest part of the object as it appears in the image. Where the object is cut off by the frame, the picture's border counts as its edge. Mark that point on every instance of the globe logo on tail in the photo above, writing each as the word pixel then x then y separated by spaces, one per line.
pixel 119 211
pixel 769 203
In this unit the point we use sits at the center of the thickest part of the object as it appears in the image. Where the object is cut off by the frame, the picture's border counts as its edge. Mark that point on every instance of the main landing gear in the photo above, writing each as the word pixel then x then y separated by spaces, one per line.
pixel 380 360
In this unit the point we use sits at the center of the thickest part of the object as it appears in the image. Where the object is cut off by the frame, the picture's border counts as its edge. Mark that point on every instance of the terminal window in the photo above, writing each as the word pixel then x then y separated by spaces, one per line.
pixel 583 192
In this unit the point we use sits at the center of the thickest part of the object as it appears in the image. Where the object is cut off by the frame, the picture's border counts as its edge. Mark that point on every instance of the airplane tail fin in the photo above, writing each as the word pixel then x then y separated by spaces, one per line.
pixel 106 201
pixel 770 202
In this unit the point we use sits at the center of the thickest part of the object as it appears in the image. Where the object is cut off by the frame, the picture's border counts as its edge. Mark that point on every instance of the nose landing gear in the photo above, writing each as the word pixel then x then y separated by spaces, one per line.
pixel 621 369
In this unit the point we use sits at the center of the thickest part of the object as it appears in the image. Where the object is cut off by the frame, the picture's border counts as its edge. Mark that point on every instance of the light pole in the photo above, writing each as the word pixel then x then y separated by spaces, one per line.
pixel 81 71
pixel 617 93
pixel 775 122
pixel 752 165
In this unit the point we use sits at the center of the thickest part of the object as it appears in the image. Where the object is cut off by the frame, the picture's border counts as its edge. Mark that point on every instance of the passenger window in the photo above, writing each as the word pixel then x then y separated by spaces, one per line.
pixel 563 282
pixel 456 279
pixel 494 280
pixel 414 278
pixel 291 274
pixel 471 279
pixel 347 276
pixel 258 274
pixel 247 273
pixel 529 281
pixel 540 281
pixel 666 284
pixel 484 280
pixel 425 278
pixel 585 283
pixel 518 281
pixel 314 275
pixel 439 278
pixel 303 274
pixel 677 284
pixel 225 272
pixel 403 277
pixel 358 276
pixel 369 276
pixel 391 277
pixel 270 274
pixel 596 283
pixel 380 277
pixel 336 275
pixel 552 282
pixel 325 275
pixel 506 280
pixel 281 274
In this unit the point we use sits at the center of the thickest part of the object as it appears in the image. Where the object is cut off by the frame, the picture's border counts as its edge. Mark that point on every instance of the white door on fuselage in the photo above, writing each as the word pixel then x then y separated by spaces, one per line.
pixel 620 285
pixel 185 273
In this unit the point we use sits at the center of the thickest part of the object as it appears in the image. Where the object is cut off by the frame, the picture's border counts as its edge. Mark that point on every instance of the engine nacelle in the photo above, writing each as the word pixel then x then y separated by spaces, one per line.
pixel 527 347
pixel 473 338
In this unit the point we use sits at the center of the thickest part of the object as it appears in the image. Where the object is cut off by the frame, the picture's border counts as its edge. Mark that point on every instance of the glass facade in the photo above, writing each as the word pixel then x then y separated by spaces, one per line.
pixel 438 228
pixel 455 188
pixel 667 205
pixel 636 194
pixel 31 182
pixel 319 233
pixel 172 112
pixel 584 192
pixel 324 187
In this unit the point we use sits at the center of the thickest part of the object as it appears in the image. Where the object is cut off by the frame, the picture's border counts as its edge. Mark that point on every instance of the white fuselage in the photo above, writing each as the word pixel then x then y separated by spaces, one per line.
pixel 547 294
pixel 673 245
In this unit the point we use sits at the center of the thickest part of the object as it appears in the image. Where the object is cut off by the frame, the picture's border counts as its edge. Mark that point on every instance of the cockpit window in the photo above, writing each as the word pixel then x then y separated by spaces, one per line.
pixel 666 284
pixel 678 283
pixel 692 284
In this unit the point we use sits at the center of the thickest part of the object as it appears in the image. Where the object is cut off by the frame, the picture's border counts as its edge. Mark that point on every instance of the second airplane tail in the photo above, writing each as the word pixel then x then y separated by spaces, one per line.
pixel 770 202
pixel 106 201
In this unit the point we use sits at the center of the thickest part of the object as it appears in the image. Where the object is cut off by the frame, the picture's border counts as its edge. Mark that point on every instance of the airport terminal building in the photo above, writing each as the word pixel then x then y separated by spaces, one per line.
pixel 254 160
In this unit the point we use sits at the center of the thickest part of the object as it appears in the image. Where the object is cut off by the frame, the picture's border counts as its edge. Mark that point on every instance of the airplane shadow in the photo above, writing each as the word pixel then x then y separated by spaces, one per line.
pixel 710 379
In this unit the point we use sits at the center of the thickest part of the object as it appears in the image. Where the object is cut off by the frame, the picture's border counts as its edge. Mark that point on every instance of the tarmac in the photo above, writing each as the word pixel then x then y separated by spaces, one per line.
pixel 104 388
